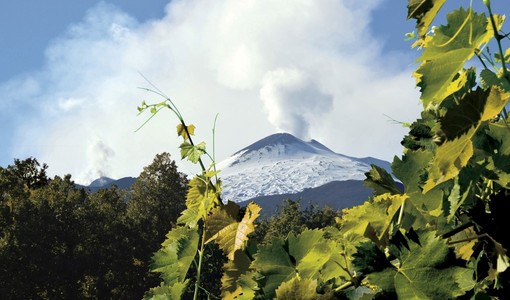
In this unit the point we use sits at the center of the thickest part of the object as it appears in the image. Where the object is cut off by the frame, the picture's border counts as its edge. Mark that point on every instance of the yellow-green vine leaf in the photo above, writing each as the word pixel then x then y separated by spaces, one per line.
pixel 374 218
pixel 311 251
pixel 500 160
pixel 496 101
pixel 185 132
pixel 424 11
pixel 299 289
pixel 464 250
pixel 411 168
pixel 450 47
pixel 232 271
pixel 489 78
pixel 450 157
pixel 164 292
pixel 231 235
pixel 458 127
pixel 174 258
pixel 274 265
pixel 421 271
pixel 201 197
pixel 192 152
pixel 380 181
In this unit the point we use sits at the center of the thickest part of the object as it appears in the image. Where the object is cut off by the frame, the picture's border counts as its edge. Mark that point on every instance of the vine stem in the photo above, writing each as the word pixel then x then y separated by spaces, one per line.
pixel 200 258
pixel 498 38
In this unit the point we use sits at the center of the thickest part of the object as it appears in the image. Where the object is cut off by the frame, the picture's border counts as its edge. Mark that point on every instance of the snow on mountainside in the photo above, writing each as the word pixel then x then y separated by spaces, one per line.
pixel 284 164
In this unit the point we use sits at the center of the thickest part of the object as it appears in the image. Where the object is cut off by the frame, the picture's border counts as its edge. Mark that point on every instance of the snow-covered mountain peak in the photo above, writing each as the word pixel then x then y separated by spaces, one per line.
pixel 101 182
pixel 276 147
pixel 282 163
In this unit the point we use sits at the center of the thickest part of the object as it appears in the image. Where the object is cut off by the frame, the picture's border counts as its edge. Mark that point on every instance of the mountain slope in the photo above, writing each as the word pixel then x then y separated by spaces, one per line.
pixel 124 183
pixel 282 164
pixel 335 194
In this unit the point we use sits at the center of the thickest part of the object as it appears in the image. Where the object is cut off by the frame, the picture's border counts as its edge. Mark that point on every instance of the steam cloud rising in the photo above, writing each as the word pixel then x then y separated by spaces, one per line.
pixel 292 101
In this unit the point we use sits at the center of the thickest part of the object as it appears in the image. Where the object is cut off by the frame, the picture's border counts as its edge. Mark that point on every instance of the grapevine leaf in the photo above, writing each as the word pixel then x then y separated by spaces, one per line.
pixel 218 220
pixel 450 47
pixel 489 78
pixel 164 292
pixel 200 198
pixel 174 258
pixel 230 234
pixel 424 11
pixel 311 252
pixel 380 181
pixel 248 286
pixel 500 160
pixel 420 272
pixel 192 152
pixel 496 101
pixel 459 126
pixel 307 255
pixel 373 219
pixel 299 289
pixel 274 264
pixel 450 157
pixel 185 132
pixel 411 168
pixel 464 250
pixel 233 270
pixel 369 259
pixel 464 115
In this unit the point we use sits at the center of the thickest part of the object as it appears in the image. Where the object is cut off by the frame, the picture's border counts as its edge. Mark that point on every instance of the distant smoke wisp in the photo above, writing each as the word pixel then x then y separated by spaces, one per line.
pixel 292 100
pixel 99 155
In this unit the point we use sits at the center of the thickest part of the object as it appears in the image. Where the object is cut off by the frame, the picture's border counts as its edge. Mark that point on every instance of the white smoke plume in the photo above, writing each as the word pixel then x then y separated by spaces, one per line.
pixel 292 101
pixel 99 156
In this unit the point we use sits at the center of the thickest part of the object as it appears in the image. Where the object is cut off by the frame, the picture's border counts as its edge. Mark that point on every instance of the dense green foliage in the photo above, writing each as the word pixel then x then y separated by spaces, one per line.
pixel 441 238
pixel 60 242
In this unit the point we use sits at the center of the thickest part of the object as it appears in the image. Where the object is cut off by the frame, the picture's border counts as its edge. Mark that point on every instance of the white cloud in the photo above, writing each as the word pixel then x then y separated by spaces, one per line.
pixel 307 66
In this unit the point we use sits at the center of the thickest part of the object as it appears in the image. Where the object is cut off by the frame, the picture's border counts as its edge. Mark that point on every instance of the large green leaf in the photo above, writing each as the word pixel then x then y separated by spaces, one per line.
pixel 458 126
pixel 308 255
pixel 424 11
pixel 374 218
pixel 310 251
pixel 192 152
pixel 176 255
pixel 232 271
pixel 411 168
pixel 274 265
pixel 300 289
pixel 202 196
pixel 445 54
pixel 489 79
pixel 380 181
pixel 499 162
pixel 228 233
pixel 421 271
pixel 164 292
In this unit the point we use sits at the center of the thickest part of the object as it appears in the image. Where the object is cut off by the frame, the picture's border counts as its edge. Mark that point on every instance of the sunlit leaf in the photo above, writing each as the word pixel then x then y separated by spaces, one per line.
pixel 451 46
pixel 192 152
pixel 421 272
pixel 185 132
pixel 380 181
pixel 233 270
pixel 424 11
pixel 374 218
pixel 299 289
pixel 228 233
pixel 174 258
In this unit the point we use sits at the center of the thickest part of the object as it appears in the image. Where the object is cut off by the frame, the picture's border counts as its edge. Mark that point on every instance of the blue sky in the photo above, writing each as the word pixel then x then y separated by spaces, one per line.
pixel 329 70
